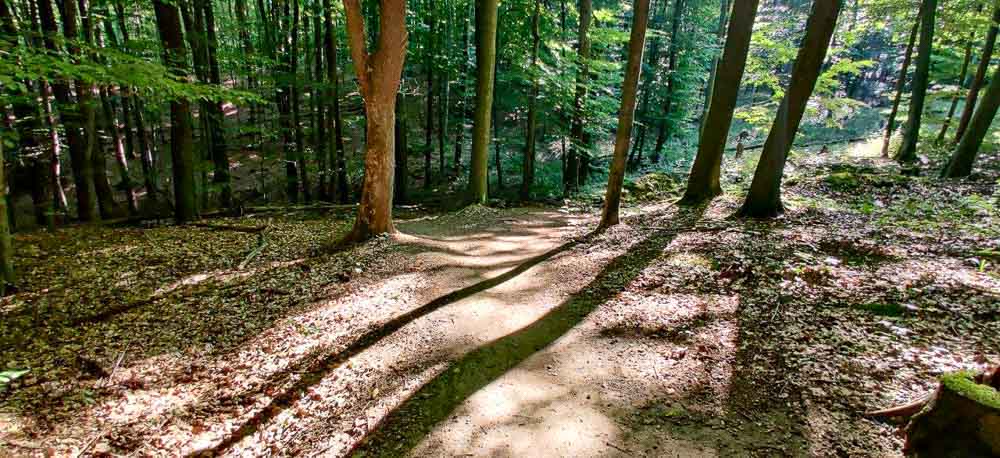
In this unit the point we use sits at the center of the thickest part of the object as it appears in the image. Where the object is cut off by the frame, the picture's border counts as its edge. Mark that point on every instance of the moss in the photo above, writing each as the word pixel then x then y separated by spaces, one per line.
pixel 882 309
pixel 842 180
pixel 964 383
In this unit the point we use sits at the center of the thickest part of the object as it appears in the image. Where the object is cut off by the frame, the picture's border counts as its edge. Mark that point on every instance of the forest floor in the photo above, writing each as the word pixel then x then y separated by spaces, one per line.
pixel 512 332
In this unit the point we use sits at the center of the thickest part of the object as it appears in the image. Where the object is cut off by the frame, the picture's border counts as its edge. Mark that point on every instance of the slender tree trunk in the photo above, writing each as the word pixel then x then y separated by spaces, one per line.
pixel 764 197
pixel 320 134
pixel 977 81
pixel 464 89
pixel 168 22
pixel 703 183
pixel 296 96
pixel 486 45
pixel 497 160
pixel 724 7
pixel 215 115
pixel 336 148
pixel 401 194
pixel 6 248
pixel 74 118
pixel 890 124
pixel 55 149
pixel 612 201
pixel 96 153
pixel 964 157
pixel 429 116
pixel 921 75
pixel 528 164
pixel 571 176
pixel 954 98
pixel 444 104
pixel 118 144
pixel 666 129
pixel 378 79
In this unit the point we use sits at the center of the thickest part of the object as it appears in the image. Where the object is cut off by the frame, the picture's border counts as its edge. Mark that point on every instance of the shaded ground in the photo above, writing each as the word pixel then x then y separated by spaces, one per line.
pixel 513 333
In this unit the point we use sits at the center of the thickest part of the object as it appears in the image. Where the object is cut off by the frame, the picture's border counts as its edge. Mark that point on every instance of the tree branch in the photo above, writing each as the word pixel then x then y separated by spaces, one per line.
pixel 357 42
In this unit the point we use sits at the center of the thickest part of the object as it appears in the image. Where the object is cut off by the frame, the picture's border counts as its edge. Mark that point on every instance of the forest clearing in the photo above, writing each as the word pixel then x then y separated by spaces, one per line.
pixel 541 228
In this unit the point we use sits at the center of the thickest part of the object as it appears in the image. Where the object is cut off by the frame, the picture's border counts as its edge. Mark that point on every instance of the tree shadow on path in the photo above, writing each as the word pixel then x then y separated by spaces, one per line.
pixel 405 427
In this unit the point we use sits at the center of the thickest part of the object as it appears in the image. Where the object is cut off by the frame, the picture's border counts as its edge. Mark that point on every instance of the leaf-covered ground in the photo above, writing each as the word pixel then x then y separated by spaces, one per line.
pixel 512 332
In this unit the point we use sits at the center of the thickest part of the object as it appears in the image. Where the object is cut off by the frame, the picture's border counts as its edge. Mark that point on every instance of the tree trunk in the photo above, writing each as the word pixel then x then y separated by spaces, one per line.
pixel 319 108
pixel 429 116
pixel 921 75
pixel 6 249
pixel 890 124
pixel 333 95
pixel 400 194
pixel 111 125
pixel 960 164
pixel 724 7
pixel 612 202
pixel 216 116
pixel 497 161
pixel 296 94
pixel 665 128
pixel 464 89
pixel 378 80
pixel 764 198
pixel 486 43
pixel 571 176
pixel 528 164
pixel 954 98
pixel 168 22
pixel 977 81
pixel 703 183
pixel 74 118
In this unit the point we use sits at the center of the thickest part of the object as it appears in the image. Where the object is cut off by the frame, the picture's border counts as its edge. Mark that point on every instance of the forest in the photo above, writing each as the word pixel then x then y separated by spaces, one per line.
pixel 614 228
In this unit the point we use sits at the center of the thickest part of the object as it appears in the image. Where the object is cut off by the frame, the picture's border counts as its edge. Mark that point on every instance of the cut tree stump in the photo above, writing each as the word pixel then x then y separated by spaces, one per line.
pixel 961 419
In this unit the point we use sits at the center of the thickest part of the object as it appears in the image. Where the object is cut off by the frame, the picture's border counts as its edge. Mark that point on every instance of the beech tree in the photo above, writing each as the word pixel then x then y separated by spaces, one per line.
pixel 764 198
pixel 703 183
pixel 960 164
pixel 918 94
pixel 486 42
pixel 977 81
pixel 623 136
pixel 890 124
pixel 378 74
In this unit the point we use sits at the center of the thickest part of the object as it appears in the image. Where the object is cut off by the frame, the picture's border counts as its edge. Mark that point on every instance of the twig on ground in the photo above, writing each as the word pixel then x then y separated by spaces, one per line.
pixel 261 244
pixel 118 363
pixel 91 442
pixel 623 450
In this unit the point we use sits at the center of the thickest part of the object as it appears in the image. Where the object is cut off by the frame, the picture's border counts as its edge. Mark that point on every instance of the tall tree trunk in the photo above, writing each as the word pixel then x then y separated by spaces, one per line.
pixel 75 119
pixel 630 87
pixel 378 77
pixel 921 75
pixel 320 135
pixel 724 7
pixel 216 116
pixel 400 190
pixel 964 157
pixel 429 116
pixel 666 129
pixel 55 149
pixel 444 105
pixel 118 145
pixel 300 154
pixel 977 81
pixel 486 47
pixel 497 160
pixel 703 183
pixel 168 22
pixel 764 197
pixel 890 124
pixel 464 89
pixel 102 184
pixel 528 164
pixel 6 248
pixel 571 176
pixel 958 90
pixel 336 148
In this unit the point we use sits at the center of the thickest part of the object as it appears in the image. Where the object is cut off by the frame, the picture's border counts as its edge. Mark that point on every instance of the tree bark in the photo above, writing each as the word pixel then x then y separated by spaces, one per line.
pixel 571 176
pixel 6 248
pixel 764 198
pixel 486 33
pixel 216 116
pixel 630 87
pixel 528 163
pixel 429 116
pixel 336 148
pixel 168 22
pixel 464 103
pixel 960 164
pixel 378 77
pixel 921 75
pixel 665 128
pixel 890 124
pixel 977 81
pixel 724 7
pixel 703 183
pixel 954 98
pixel 400 194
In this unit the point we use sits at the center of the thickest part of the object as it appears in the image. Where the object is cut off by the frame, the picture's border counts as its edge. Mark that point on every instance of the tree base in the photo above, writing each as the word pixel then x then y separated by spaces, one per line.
pixel 759 211
pixel 961 419
pixel 696 198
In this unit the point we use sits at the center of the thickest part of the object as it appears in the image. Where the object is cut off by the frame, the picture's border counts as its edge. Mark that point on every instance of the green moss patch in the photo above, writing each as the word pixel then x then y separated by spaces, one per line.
pixel 964 383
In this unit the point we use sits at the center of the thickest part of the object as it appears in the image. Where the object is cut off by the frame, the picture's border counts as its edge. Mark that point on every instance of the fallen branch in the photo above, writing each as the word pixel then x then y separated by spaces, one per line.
pixel 91 442
pixel 118 363
pixel 905 410
pixel 261 244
